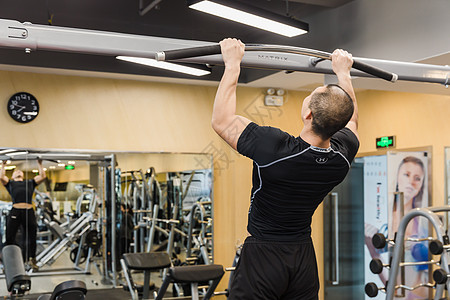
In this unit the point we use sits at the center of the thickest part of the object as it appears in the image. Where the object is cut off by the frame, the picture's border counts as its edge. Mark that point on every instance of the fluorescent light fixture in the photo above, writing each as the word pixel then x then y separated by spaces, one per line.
pixel 7 151
pixel 10 168
pixel 251 16
pixel 18 153
pixel 164 65
pixel 71 162
pixel 61 165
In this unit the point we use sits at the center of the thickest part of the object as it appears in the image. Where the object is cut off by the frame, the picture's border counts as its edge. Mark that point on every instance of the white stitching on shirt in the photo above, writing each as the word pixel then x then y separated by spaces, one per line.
pixel 260 183
pixel 287 157
pixel 338 152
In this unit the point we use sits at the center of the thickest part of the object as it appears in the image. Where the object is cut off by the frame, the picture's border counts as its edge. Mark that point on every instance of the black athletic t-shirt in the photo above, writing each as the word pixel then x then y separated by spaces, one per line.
pixel 291 178
pixel 21 191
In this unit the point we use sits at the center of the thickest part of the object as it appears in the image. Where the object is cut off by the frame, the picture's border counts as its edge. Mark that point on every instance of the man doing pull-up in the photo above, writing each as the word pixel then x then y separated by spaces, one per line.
pixel 291 176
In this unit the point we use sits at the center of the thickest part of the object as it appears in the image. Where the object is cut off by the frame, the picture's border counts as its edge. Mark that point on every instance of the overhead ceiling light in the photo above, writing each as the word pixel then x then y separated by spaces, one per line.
pixel 7 151
pixel 251 16
pixel 164 65
pixel 18 153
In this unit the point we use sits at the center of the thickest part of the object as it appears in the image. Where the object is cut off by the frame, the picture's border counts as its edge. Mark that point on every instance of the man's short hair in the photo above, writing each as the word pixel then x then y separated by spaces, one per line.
pixel 331 110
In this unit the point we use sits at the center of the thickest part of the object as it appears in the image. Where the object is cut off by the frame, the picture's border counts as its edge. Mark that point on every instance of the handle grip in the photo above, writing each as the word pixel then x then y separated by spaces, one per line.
pixel 377 72
pixel 188 52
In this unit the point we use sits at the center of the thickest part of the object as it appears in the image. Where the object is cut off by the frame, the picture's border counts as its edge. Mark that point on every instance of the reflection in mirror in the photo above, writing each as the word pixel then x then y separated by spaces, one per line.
pixel 84 213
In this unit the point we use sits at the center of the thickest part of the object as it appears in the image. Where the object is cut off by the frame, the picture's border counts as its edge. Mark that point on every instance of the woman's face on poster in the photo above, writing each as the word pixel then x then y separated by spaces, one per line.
pixel 410 179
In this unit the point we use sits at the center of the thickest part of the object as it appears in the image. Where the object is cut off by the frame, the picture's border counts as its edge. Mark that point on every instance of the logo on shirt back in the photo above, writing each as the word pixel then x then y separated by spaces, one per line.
pixel 321 160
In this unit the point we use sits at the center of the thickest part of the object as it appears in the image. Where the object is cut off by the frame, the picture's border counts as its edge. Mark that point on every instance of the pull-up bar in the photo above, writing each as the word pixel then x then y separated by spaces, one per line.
pixel 30 37
pixel 215 49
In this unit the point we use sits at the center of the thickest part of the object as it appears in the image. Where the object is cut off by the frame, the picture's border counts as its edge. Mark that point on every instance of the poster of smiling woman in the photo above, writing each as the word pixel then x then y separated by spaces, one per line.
pixel 408 189
pixel 394 184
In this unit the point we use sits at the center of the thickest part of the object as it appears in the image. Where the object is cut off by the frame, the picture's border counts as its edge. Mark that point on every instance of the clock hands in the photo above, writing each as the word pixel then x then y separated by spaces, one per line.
pixel 21 106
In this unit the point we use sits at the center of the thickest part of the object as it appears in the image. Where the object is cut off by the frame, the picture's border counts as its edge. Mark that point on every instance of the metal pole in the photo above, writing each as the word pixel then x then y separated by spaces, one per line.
pixel 113 219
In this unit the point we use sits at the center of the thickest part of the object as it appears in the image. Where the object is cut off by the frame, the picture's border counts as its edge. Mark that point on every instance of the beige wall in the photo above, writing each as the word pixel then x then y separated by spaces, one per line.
pixel 417 120
pixel 107 114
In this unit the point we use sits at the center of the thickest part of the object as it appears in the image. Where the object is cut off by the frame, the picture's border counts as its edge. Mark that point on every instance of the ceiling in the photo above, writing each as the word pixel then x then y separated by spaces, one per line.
pixel 168 18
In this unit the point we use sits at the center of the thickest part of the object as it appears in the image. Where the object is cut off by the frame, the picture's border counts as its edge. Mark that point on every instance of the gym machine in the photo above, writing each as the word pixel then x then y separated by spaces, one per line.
pixel 154 261
pixel 199 216
pixel 30 37
pixel 438 246
pixel 17 280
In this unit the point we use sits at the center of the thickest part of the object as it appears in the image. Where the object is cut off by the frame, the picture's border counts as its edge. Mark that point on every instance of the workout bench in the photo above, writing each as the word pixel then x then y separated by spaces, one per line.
pixel 193 275
pixel 147 262
pixel 154 261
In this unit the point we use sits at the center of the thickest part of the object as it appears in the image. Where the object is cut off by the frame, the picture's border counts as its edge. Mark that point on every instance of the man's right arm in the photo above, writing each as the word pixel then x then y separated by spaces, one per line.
pixel 342 63
pixel 228 125
pixel 3 178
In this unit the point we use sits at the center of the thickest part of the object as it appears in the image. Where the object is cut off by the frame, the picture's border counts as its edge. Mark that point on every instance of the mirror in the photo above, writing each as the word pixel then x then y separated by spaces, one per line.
pixel 161 202
pixel 447 181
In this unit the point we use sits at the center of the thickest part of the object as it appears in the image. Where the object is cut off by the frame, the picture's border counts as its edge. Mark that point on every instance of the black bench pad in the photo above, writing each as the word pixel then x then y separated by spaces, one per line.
pixel 197 273
pixel 148 261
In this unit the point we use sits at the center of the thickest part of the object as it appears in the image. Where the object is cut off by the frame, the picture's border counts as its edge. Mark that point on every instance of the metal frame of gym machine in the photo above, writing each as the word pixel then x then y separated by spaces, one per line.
pixel 430 214
pixel 30 37
pixel 109 274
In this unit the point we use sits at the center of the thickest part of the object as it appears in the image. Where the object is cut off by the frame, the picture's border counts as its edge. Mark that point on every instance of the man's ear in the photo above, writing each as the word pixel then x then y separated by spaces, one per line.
pixel 308 114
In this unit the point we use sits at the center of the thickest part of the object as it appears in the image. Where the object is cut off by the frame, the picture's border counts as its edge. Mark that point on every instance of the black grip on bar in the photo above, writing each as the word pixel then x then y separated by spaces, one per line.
pixel 190 52
pixel 374 71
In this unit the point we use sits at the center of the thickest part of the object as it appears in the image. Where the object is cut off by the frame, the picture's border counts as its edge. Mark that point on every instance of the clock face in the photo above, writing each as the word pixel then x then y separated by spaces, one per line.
pixel 23 107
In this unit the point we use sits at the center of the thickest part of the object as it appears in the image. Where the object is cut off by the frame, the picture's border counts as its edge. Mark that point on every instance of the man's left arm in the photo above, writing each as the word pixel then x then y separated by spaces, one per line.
pixel 41 176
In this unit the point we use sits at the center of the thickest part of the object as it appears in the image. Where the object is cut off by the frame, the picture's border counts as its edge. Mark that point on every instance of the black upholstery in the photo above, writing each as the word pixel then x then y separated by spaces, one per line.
pixel 151 261
pixel 197 273
pixel 15 274
pixel 67 290
pixel 69 286
pixel 193 275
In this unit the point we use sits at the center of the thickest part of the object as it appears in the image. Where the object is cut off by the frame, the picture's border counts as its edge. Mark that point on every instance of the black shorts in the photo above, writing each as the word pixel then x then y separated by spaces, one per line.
pixel 275 270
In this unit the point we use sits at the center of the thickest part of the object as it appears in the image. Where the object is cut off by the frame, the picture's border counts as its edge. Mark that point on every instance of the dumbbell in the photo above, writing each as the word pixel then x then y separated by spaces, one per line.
pixel 436 247
pixel 440 276
pixel 379 240
pixel 376 266
pixel 371 289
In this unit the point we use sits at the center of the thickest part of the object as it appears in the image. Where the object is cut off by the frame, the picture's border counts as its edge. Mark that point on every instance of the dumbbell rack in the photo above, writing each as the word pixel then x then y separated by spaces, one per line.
pixel 430 214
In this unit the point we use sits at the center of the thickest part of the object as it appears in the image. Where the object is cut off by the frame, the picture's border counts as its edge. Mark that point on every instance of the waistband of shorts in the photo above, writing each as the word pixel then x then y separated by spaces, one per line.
pixel 302 240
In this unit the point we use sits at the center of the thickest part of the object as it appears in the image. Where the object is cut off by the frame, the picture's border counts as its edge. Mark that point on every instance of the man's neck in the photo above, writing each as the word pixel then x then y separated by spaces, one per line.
pixel 313 139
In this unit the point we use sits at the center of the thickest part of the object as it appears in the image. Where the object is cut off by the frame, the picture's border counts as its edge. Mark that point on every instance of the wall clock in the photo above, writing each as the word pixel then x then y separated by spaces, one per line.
pixel 23 107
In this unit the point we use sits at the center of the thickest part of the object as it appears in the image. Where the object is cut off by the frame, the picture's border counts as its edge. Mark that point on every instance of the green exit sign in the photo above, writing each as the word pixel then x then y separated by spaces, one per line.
pixel 385 142
pixel 69 167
